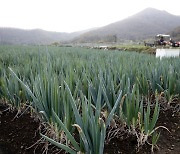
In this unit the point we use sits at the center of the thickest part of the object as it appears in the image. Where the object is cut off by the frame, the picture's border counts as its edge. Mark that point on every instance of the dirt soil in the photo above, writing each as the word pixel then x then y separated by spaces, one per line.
pixel 18 135
pixel 168 143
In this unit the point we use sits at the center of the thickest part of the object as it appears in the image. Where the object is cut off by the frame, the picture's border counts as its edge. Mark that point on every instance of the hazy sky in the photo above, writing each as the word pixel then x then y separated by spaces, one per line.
pixel 74 15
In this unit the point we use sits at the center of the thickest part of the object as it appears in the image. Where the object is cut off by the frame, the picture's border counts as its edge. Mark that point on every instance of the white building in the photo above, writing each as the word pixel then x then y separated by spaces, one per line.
pixel 167 53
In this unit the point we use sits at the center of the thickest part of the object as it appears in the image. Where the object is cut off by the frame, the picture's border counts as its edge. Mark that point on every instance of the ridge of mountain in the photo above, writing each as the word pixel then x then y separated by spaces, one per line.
pixel 143 25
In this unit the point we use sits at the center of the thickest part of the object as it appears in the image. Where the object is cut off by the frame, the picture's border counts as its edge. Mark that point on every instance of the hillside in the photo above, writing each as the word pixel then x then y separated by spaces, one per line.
pixel 175 34
pixel 142 25
pixel 35 36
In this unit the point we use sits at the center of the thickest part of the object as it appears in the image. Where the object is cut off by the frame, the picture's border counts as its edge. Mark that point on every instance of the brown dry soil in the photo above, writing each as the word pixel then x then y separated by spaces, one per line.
pixel 18 135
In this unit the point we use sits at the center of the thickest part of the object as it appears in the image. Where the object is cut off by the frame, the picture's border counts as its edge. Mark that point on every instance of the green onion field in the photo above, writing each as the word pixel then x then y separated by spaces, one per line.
pixel 82 94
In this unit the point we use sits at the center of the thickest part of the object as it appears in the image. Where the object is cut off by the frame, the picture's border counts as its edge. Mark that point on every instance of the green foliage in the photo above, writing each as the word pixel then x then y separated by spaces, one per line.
pixel 149 124
pixel 90 125
pixel 132 108
pixel 74 87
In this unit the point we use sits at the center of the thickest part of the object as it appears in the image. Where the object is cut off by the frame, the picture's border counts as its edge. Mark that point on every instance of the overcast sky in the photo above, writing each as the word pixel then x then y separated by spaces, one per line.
pixel 74 15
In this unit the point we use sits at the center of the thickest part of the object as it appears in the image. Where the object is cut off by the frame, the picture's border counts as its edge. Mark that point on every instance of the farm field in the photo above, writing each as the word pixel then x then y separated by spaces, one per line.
pixel 87 101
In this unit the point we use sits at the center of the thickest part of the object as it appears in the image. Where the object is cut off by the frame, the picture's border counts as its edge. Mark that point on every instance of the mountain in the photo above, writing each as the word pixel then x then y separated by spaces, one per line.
pixel 145 24
pixel 35 36
pixel 175 34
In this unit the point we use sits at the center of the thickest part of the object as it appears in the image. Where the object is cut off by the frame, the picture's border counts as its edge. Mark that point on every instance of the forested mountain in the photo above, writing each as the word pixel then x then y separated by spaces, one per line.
pixel 175 34
pixel 142 25
pixel 35 36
